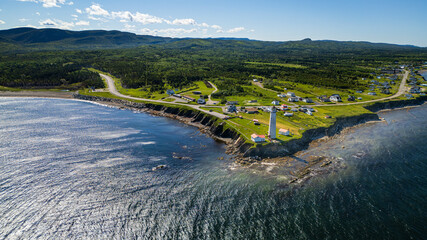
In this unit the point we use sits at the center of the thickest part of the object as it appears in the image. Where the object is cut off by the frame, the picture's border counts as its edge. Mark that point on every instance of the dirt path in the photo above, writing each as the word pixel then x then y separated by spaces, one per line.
pixel 210 102
pixel 112 89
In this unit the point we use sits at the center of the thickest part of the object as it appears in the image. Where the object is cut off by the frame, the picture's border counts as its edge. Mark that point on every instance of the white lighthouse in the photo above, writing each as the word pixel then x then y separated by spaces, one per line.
pixel 272 126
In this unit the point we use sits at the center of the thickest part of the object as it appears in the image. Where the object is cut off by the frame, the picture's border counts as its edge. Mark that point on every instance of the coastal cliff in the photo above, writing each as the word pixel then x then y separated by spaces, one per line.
pixel 208 124
pixel 396 104
pixel 236 144
pixel 288 148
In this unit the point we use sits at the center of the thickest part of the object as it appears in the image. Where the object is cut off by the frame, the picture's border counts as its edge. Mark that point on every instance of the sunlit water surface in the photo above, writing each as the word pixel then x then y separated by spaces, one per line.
pixel 75 170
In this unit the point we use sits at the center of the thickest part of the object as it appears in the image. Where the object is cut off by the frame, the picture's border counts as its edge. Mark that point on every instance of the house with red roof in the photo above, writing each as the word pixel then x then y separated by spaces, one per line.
pixel 257 138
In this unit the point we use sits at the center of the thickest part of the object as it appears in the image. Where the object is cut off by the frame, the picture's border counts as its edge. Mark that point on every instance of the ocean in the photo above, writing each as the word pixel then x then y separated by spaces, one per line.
pixel 78 170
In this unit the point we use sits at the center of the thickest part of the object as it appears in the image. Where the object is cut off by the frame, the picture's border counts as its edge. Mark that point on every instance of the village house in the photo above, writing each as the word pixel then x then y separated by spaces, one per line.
pixel 415 89
pixel 324 98
pixel 257 138
pixel 251 110
pixel 307 100
pixel 188 98
pixel 290 94
pixel 386 91
pixel 293 99
pixel 170 92
pixel 281 95
pixel 201 101
pixel 372 93
pixel 288 114
pixel 231 109
pixel 256 122
pixel 252 101
pixel 197 92
pixel 351 98
pixel 275 102
pixel 335 98
pixel 284 107
pixel 284 132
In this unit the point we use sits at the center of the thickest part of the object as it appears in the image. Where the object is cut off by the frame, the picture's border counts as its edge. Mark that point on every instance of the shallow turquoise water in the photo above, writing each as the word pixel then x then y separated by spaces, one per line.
pixel 76 170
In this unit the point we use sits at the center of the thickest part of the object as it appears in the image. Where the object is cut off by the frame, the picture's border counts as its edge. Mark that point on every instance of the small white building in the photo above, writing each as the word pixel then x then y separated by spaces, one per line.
pixel 201 101
pixel 284 132
pixel 335 98
pixel 257 138
pixel 293 99
pixel 309 113
pixel 372 93
pixel 275 102
pixel 284 107
pixel 307 100
pixel 290 94
pixel 288 114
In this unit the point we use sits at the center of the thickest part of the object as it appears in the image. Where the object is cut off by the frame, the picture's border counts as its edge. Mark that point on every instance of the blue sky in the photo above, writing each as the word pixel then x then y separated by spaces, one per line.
pixel 390 21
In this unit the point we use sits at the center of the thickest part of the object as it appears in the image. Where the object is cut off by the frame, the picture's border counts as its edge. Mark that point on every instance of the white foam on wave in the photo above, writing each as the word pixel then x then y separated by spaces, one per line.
pixel 145 143
pixel 156 158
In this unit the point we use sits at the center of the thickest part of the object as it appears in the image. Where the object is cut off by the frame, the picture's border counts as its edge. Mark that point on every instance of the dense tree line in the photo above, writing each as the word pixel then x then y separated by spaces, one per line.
pixel 178 64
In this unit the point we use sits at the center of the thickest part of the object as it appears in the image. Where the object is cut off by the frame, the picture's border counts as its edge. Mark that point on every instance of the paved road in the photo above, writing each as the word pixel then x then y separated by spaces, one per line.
pixel 402 90
pixel 112 89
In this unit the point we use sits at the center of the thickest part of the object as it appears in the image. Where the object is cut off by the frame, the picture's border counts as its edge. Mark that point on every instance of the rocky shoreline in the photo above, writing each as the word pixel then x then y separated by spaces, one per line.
pixel 266 157
pixel 270 156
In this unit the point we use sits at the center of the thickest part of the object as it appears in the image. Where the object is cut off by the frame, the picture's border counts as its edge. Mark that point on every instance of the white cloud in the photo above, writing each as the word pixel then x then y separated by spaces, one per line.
pixel 74 16
pixel 186 21
pixel 237 29
pixel 203 25
pixel 79 11
pixel 96 10
pixel 82 23
pixel 129 28
pixel 216 27
pixel 2 22
pixel 49 3
pixel 47 22
pixel 252 30
pixel 37 13
pixel 169 32
pixel 57 23
pixel 94 18
pixel 126 16
pixel 23 19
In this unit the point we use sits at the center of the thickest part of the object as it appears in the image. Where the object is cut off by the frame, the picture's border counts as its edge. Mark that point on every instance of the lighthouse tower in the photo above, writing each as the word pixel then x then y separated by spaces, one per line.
pixel 272 126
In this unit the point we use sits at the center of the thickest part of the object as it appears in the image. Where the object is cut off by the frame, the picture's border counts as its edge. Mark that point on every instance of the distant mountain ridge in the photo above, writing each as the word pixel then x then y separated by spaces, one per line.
pixel 32 39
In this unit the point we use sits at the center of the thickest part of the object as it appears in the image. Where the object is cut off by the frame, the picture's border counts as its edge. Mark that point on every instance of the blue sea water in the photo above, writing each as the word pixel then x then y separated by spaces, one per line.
pixel 76 170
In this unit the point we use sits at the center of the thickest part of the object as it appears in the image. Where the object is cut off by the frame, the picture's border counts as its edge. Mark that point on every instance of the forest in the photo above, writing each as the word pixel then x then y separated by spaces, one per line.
pixel 229 63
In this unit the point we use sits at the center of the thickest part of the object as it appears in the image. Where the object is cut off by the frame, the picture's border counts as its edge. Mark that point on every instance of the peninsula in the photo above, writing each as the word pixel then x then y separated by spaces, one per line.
pixel 308 84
